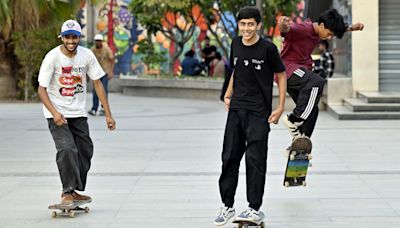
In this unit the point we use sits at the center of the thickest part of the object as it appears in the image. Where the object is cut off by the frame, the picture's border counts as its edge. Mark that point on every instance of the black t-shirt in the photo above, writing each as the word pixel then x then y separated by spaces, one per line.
pixel 254 68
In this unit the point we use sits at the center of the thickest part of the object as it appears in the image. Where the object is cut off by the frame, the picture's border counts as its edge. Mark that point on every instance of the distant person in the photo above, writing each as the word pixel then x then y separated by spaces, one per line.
pixel 190 65
pixel 62 90
pixel 106 59
pixel 208 54
pixel 217 66
pixel 326 64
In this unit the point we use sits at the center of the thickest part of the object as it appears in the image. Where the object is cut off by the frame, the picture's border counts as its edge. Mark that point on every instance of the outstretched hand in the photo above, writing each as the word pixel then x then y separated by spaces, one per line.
pixel 357 26
pixel 284 24
pixel 284 20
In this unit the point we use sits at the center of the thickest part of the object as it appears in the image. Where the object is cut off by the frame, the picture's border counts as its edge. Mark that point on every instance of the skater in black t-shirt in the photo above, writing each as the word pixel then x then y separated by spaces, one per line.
pixel 248 101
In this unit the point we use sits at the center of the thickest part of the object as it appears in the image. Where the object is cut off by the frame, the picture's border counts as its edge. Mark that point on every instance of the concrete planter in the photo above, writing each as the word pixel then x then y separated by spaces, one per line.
pixel 179 88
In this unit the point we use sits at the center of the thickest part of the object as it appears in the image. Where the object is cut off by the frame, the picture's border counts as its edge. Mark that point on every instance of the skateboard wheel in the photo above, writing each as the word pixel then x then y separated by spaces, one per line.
pixel 86 209
pixel 292 157
pixel 286 153
pixel 304 183
pixel 286 184
pixel 71 214
pixel 309 157
pixel 54 214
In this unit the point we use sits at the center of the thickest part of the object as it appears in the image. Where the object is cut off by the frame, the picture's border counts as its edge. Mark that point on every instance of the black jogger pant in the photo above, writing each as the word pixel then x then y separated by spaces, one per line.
pixel 246 132
pixel 74 152
pixel 305 88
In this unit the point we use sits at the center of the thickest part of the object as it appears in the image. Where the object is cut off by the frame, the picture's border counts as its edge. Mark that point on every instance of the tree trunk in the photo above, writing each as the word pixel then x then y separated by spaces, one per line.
pixel 27 85
pixel 7 80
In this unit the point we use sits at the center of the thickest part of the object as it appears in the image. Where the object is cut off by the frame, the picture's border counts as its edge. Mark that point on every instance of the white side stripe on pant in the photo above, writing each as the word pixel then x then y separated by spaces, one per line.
pixel 299 72
pixel 310 104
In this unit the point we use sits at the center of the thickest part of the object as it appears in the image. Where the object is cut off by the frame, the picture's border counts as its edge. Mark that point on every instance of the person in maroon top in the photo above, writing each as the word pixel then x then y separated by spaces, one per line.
pixel 304 86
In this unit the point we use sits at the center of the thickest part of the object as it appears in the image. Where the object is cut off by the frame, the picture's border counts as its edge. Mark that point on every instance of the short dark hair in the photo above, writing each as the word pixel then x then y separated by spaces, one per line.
pixel 333 21
pixel 189 53
pixel 248 12
pixel 218 55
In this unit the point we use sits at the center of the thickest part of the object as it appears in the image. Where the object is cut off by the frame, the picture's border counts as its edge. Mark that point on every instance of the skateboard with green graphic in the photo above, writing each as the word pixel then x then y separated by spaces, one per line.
pixel 298 162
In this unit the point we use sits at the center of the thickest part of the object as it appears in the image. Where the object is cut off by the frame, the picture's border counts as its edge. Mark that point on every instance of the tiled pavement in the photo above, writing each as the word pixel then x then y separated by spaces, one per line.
pixel 160 169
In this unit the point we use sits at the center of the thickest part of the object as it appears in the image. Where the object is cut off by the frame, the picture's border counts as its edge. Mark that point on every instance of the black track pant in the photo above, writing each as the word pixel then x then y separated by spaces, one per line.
pixel 74 152
pixel 306 87
pixel 246 132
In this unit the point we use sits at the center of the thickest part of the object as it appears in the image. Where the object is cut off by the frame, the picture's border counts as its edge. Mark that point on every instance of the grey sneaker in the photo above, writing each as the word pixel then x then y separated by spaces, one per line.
pixel 92 112
pixel 251 215
pixel 292 127
pixel 102 112
pixel 224 215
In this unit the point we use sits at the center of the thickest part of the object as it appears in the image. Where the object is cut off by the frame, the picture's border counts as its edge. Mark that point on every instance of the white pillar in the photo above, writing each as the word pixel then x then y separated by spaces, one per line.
pixel 365 46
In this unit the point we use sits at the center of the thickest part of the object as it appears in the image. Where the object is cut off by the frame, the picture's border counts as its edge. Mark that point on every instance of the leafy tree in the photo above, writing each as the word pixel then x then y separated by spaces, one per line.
pixel 152 58
pixel 272 9
pixel 28 30
pixel 30 55
pixel 174 19
pixel 226 11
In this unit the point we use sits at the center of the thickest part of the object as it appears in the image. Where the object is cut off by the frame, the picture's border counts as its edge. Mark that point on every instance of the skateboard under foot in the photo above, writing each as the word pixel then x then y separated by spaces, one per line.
pixel 298 162
pixel 247 224
pixel 69 210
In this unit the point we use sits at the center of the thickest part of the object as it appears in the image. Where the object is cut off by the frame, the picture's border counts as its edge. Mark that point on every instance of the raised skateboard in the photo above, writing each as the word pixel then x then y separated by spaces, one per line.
pixel 69 210
pixel 248 224
pixel 298 162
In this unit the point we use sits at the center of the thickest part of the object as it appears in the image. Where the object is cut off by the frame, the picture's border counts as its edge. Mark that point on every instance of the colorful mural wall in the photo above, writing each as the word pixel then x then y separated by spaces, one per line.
pixel 122 32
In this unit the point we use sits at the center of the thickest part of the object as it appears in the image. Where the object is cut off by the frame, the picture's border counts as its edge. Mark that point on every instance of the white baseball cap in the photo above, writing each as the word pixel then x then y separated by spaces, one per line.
pixel 98 37
pixel 71 27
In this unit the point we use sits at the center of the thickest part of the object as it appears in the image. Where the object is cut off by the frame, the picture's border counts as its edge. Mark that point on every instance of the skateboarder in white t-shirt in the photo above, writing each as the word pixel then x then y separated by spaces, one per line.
pixel 62 89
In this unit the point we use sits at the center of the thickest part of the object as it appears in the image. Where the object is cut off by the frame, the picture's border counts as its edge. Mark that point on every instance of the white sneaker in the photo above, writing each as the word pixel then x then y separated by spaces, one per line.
pixel 251 215
pixel 292 127
pixel 224 215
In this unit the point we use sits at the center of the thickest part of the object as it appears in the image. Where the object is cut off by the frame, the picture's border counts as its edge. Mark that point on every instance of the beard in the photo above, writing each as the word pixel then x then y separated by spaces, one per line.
pixel 66 47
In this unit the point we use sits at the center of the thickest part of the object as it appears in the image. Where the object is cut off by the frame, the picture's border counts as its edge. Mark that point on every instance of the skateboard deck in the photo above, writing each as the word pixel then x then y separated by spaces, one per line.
pixel 69 210
pixel 298 162
pixel 248 224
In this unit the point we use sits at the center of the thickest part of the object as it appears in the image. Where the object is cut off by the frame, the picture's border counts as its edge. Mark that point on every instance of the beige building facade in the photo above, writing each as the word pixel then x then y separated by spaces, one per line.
pixel 374 62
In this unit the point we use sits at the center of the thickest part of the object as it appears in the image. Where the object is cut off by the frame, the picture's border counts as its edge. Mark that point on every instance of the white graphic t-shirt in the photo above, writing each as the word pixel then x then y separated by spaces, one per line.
pixel 65 80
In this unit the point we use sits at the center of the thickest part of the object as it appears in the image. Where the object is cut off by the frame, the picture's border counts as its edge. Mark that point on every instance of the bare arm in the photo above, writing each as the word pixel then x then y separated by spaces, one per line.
pixel 276 114
pixel 228 93
pixel 284 24
pixel 101 93
pixel 58 118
